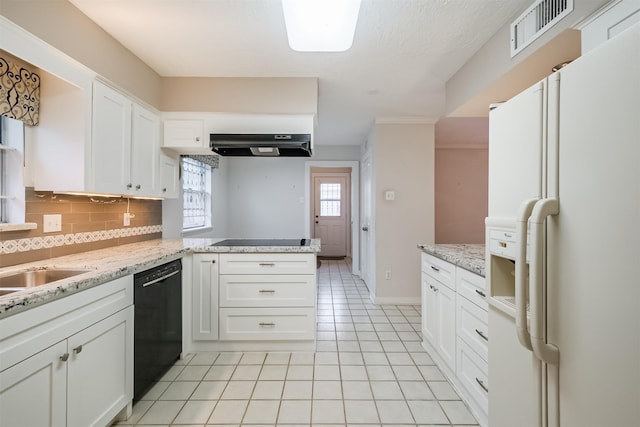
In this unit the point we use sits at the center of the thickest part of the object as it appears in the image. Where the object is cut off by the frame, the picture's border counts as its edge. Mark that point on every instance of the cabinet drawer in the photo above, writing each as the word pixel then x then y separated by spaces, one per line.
pixel 439 269
pixel 472 287
pixel 267 263
pixel 238 290
pixel 472 326
pixel 472 373
pixel 243 324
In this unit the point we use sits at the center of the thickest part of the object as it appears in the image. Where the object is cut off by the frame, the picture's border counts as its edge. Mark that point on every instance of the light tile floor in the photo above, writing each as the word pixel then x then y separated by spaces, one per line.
pixel 369 369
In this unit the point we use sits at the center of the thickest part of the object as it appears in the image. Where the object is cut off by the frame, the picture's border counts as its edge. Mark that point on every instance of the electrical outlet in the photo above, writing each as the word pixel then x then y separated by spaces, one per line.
pixel 127 219
pixel 387 275
pixel 51 223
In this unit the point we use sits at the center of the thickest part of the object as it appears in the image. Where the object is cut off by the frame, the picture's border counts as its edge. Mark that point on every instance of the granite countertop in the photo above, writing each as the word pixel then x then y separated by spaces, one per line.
pixel 468 256
pixel 108 264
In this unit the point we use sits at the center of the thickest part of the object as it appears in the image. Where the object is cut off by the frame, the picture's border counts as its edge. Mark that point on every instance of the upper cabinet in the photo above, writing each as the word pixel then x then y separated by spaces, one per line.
pixel 184 135
pixel 125 145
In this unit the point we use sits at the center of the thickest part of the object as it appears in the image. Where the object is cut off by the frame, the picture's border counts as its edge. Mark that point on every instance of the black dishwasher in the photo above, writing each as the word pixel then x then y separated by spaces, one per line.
pixel 157 328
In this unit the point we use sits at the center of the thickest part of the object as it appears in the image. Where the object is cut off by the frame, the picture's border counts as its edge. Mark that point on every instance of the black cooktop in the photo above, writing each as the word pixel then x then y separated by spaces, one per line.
pixel 263 242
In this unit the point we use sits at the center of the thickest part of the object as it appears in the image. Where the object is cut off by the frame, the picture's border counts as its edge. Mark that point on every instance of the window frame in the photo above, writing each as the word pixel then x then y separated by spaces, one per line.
pixel 204 190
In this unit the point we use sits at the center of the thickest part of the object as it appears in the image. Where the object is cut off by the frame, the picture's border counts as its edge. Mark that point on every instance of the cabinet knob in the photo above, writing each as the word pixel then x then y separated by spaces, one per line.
pixel 78 349
pixel 138 187
pixel 164 190
pixel 64 357
pixel 197 139
pixel 365 228
pixel 129 185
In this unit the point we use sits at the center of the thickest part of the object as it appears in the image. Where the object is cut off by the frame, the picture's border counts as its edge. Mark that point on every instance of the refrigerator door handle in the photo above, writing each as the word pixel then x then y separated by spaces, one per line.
pixel 521 273
pixel 546 352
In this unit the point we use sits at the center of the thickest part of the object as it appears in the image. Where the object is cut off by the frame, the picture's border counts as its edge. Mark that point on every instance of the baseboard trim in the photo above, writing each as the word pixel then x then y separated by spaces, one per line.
pixel 397 300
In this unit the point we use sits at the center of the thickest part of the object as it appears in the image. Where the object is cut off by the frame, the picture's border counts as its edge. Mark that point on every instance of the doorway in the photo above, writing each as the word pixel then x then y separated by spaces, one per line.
pixel 331 210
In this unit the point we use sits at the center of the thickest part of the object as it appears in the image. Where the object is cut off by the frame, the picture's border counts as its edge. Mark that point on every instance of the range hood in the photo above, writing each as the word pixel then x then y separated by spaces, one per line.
pixel 261 144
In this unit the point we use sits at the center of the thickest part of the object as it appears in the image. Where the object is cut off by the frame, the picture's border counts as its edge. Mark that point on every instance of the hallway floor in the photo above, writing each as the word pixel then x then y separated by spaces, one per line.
pixel 369 369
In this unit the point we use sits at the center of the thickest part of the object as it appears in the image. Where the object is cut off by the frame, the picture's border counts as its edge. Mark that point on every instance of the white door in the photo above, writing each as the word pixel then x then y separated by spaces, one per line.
pixel 145 149
pixel 366 224
pixel 516 141
pixel 331 201
pixel 111 136
pixel 33 392
pixel 100 370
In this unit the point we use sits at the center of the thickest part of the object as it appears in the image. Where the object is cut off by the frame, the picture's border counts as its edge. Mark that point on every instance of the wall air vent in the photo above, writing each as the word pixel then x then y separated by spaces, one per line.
pixel 538 18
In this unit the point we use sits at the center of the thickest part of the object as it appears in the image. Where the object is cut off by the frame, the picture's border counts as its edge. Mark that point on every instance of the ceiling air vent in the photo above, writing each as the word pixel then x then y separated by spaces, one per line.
pixel 538 18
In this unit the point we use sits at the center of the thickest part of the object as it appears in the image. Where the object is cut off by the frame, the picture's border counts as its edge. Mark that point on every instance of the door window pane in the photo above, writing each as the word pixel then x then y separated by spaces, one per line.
pixel 330 199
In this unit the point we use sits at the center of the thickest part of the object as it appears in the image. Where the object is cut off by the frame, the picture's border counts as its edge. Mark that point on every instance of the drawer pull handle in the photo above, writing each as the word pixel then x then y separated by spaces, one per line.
pixel 434 268
pixel 265 324
pixel 267 291
pixel 64 357
pixel 508 235
pixel 482 294
pixel 78 349
pixel 486 338
pixel 502 244
pixel 484 387
pixel 267 264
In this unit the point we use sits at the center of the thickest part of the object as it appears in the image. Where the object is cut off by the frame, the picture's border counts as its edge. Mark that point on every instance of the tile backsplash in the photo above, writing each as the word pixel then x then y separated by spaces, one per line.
pixel 88 223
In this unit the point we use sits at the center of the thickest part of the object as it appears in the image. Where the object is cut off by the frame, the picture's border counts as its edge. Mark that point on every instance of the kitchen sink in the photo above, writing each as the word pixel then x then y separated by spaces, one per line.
pixel 31 278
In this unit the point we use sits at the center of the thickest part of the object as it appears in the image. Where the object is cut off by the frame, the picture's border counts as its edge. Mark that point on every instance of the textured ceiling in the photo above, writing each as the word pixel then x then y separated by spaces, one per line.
pixel 403 52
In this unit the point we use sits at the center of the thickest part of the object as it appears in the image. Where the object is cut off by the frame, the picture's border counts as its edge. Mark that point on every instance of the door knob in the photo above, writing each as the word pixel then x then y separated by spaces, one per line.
pixel 365 228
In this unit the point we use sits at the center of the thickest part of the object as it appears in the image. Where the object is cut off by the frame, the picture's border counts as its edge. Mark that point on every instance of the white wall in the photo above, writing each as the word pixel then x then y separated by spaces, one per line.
pixel 257 197
pixel 404 163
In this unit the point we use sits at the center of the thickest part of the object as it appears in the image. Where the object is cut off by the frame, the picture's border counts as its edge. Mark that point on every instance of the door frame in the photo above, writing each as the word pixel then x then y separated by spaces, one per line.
pixel 341 173
pixel 355 203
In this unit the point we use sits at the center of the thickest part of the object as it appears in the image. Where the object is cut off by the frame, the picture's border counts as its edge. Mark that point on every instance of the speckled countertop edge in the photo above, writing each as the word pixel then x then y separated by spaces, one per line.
pixel 111 263
pixel 468 256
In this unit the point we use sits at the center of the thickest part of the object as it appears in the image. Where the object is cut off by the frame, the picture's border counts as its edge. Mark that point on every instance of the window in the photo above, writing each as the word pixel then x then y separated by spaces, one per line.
pixel 329 199
pixel 196 194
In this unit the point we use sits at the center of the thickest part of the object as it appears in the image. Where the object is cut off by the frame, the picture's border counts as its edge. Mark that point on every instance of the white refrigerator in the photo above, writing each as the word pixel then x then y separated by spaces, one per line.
pixel 563 246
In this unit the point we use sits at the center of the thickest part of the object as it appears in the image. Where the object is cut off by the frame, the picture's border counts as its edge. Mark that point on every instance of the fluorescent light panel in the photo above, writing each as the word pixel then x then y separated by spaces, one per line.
pixel 320 25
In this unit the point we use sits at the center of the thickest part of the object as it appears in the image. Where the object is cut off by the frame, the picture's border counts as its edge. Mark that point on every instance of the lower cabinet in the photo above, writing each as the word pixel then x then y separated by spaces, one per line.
pixel 84 378
pixel 204 296
pixel 243 299
pixel 455 329
pixel 439 316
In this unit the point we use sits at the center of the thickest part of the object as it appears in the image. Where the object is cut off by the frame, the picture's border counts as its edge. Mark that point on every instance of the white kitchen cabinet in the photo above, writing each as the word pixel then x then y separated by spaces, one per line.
pixel 99 374
pixel 439 319
pixel 145 151
pixel 184 135
pixel 455 329
pixel 69 362
pixel 204 295
pixel 169 176
pixel 267 297
pixel 39 379
pixel 125 144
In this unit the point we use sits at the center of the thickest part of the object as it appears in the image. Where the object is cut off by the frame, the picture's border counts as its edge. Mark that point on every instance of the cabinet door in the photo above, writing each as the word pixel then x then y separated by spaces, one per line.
pixel 429 310
pixel 205 297
pixel 145 151
pixel 33 392
pixel 100 370
pixel 446 322
pixel 184 134
pixel 169 176
pixel 111 140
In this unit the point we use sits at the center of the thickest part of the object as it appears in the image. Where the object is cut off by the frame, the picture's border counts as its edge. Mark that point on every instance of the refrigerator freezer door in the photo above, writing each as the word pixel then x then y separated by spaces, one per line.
pixel 516 152
pixel 515 380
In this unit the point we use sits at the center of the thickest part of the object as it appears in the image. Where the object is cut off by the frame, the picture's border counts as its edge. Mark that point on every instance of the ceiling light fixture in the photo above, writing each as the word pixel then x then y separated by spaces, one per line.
pixel 320 25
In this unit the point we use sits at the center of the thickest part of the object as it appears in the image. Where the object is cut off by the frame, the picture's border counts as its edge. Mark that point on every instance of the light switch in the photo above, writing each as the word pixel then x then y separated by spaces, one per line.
pixel 390 195
pixel 51 223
